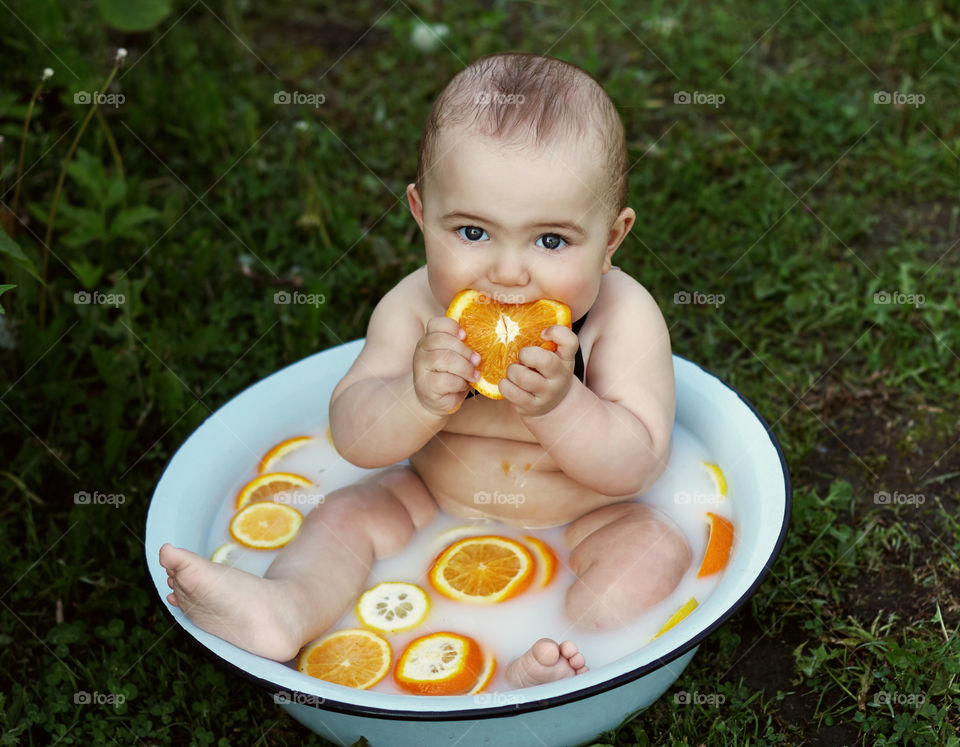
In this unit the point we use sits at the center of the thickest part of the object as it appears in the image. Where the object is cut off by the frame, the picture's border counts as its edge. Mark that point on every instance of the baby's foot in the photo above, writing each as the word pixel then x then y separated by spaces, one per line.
pixel 546 662
pixel 246 610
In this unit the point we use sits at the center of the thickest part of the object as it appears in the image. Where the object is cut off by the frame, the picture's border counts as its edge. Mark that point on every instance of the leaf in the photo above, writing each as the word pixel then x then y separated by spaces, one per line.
pixel 12 249
pixel 142 15
pixel 4 289
pixel 115 192
pixel 124 224
pixel 87 171
pixel 88 273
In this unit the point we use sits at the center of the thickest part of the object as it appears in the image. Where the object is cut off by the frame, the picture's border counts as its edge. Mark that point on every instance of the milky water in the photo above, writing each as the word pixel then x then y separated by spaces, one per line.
pixel 685 492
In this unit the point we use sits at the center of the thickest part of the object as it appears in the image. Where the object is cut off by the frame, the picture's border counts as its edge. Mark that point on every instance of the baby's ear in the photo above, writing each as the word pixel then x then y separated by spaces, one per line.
pixel 618 232
pixel 416 204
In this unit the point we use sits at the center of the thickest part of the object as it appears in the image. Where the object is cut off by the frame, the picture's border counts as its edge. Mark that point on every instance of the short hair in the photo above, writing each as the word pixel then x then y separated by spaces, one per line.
pixel 522 97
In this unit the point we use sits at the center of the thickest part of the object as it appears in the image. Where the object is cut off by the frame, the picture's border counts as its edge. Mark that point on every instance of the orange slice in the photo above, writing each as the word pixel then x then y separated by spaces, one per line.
pixel 353 658
pixel 393 606
pixel 689 606
pixel 483 569
pixel 719 479
pixel 498 331
pixel 265 487
pixel 489 668
pixel 279 451
pixel 265 526
pixel 718 545
pixel 546 560
pixel 439 664
pixel 228 553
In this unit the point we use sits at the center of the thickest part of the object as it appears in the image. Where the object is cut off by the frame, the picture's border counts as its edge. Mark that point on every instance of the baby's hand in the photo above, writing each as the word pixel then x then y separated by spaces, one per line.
pixel 443 366
pixel 536 384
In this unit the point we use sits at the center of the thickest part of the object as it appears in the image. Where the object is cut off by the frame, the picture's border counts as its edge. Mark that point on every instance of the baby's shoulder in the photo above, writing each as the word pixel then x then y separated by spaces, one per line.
pixel 622 296
pixel 410 298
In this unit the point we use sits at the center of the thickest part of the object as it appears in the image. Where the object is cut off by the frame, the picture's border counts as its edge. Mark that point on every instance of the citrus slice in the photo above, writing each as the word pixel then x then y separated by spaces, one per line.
pixel 484 569
pixel 719 479
pixel 718 545
pixel 478 527
pixel 228 553
pixel 279 451
pixel 439 664
pixel 265 487
pixel 265 526
pixel 546 560
pixel 689 606
pixel 353 658
pixel 393 606
pixel 489 668
pixel 498 331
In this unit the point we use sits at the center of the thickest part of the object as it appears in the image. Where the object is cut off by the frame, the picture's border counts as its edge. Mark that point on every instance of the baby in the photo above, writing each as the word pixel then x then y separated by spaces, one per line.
pixel 521 193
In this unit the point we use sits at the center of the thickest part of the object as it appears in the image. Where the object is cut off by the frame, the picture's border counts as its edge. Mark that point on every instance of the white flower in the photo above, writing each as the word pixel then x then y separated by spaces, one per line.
pixel 47 73
pixel 301 125
pixel 121 54
pixel 426 37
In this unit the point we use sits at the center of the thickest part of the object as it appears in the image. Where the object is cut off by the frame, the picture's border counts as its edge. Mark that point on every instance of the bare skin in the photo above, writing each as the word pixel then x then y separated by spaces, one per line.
pixel 591 446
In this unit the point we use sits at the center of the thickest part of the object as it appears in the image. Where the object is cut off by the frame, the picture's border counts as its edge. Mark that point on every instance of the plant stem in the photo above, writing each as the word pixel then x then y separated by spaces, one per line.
pixel 111 142
pixel 45 249
pixel 23 147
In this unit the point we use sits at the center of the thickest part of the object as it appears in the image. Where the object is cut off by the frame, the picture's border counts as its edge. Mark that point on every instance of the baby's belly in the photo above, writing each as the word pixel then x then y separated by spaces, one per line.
pixel 515 482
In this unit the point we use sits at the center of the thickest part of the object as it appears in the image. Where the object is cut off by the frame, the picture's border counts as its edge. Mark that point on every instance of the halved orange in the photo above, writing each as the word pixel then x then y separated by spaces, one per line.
pixel 689 606
pixel 719 544
pixel 265 487
pixel 265 525
pixel 353 657
pixel 483 570
pixel 546 560
pixel 439 664
pixel 279 451
pixel 498 331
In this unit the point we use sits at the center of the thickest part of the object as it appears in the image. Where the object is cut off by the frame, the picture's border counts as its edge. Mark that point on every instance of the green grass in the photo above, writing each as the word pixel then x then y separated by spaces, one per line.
pixel 797 199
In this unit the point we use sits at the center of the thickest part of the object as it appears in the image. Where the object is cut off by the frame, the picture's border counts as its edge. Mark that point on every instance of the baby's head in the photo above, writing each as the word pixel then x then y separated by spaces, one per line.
pixel 525 157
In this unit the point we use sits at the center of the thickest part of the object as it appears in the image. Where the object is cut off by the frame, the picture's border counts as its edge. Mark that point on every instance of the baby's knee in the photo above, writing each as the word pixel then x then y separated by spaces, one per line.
pixel 624 568
pixel 367 513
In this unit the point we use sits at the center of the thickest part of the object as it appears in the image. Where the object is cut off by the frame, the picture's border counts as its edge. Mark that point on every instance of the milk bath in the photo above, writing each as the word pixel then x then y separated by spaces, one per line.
pixel 685 492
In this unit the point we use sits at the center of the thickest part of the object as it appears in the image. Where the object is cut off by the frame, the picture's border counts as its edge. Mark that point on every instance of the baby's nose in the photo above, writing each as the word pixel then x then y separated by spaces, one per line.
pixel 508 268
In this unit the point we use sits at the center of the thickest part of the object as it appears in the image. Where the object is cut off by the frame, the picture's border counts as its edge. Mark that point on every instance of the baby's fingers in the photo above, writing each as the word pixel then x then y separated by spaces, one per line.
pixel 445 325
pixel 564 338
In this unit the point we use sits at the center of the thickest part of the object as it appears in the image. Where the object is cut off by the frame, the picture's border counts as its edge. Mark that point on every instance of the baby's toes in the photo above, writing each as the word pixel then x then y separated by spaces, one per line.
pixel 546 652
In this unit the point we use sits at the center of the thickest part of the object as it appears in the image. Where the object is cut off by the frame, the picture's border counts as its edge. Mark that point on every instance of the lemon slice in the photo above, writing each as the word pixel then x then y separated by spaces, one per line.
pixel 449 536
pixel 689 606
pixel 719 479
pixel 228 553
pixel 393 606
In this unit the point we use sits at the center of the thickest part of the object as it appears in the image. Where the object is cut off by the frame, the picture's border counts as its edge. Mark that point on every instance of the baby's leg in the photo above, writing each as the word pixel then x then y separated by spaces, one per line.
pixel 626 559
pixel 312 580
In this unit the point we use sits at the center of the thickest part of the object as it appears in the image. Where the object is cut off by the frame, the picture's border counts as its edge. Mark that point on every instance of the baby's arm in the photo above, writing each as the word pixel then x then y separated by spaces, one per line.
pixel 404 384
pixel 614 436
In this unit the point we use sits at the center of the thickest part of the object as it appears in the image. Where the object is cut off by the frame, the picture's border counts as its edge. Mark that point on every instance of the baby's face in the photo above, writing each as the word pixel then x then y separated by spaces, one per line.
pixel 518 224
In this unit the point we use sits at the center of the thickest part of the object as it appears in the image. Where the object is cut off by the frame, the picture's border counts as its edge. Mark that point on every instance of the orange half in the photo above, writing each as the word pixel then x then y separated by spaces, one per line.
pixel 499 331
pixel 546 560
pixel 353 658
pixel 440 664
pixel 279 451
pixel 719 544
pixel 265 525
pixel 482 570
pixel 265 487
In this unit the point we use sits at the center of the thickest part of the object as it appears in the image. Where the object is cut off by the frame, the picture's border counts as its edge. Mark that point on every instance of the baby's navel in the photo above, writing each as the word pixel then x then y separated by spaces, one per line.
pixel 506 467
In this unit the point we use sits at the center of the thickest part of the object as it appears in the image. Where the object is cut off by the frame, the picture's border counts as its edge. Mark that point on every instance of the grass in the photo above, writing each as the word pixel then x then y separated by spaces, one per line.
pixel 797 199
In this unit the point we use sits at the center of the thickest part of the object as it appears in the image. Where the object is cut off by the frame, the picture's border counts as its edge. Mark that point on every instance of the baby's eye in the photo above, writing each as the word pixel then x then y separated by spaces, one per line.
pixel 551 241
pixel 472 233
